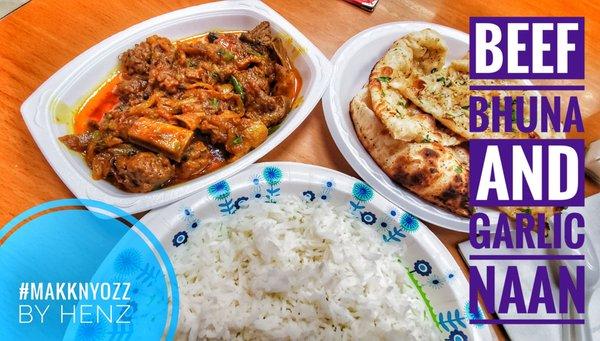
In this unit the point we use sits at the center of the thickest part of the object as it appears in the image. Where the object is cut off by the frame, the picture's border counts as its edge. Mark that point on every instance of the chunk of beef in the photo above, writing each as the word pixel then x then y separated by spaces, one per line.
pixel 142 172
pixel 260 35
pixel 78 142
pixel 101 165
pixel 166 77
pixel 284 81
pixel 137 60
pixel 255 80
pixel 281 53
pixel 270 109
pixel 196 159
pixel 133 88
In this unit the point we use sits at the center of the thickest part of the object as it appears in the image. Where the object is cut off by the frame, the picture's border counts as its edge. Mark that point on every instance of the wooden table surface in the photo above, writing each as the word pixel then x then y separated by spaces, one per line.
pixel 40 37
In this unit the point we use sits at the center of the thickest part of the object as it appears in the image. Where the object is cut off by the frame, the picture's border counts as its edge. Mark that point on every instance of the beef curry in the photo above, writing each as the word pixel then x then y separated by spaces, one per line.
pixel 178 110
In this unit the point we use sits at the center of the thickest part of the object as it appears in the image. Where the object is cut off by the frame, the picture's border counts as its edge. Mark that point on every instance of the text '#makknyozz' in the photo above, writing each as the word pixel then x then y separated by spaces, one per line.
pixel 39 291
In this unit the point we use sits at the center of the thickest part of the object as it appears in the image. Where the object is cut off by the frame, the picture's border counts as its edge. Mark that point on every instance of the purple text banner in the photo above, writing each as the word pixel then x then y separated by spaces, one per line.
pixel 526 173
pixel 526 48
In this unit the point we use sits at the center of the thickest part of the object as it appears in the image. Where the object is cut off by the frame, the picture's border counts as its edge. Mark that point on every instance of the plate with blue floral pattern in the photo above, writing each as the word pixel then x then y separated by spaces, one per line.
pixel 429 266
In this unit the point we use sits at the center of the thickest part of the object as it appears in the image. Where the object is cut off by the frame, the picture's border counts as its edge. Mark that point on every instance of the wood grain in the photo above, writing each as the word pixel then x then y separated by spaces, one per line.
pixel 40 37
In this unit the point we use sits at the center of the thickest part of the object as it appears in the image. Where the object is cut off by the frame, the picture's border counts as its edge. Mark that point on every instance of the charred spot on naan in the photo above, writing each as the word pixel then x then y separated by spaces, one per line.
pixel 452 197
pixel 420 172
pixel 429 153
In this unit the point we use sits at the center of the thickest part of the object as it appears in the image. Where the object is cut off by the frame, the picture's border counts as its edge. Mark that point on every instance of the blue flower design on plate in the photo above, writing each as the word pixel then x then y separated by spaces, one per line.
pixel 127 262
pixel 435 282
pixel 180 238
pixel 326 188
pixel 478 315
pixel 272 175
pixel 219 190
pixel 394 234
pixel 256 186
pixel 362 192
pixel 409 223
pixel 309 195
pixel 239 202
pixel 368 218
pixel 190 217
pixel 422 267
pixel 457 335
pixel 450 276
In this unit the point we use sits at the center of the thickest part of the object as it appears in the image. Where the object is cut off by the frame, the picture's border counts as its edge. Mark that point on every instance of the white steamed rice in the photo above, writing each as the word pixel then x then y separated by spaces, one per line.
pixel 295 270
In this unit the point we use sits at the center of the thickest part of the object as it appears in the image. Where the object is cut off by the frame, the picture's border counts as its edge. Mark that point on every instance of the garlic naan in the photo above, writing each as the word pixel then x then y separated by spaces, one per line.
pixel 415 54
pixel 445 95
pixel 414 114
pixel 436 173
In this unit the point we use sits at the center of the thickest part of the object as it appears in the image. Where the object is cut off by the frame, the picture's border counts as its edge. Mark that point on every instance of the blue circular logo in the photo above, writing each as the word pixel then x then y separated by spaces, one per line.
pixel 82 269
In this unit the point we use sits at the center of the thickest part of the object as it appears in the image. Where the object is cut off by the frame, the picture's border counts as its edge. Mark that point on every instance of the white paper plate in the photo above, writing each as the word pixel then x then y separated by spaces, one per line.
pixel 440 282
pixel 352 65
pixel 84 73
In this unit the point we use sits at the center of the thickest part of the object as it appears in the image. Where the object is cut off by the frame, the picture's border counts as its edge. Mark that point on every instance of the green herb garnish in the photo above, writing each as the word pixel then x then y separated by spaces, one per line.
pixel 191 62
pixel 214 103
pixel 458 169
pixel 237 140
pixel 226 55
pixel 274 128
pixel 384 79
pixel 525 210
pixel 212 36
pixel 444 81
pixel 514 110
pixel 237 87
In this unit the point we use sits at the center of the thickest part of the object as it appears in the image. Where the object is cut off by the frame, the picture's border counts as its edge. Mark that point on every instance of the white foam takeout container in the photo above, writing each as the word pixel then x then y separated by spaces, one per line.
pixel 82 75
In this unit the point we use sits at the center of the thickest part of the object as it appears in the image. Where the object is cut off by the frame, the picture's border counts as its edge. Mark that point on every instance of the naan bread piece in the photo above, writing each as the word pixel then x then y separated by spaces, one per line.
pixel 416 53
pixel 441 180
pixel 445 95
pixel 436 173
